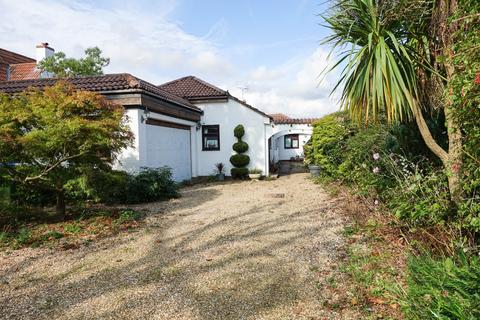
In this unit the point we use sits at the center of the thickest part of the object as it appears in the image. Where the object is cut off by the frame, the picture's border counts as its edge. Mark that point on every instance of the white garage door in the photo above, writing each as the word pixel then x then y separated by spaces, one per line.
pixel 169 145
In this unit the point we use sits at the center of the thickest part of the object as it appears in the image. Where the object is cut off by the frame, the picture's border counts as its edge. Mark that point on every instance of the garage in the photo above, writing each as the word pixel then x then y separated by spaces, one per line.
pixel 169 145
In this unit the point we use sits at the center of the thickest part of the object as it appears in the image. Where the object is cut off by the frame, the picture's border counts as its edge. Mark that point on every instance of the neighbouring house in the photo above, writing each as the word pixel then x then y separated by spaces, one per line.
pixel 187 124
pixel 14 66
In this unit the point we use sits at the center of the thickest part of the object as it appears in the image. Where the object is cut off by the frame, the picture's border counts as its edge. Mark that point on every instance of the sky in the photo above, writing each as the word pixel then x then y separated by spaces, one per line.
pixel 267 52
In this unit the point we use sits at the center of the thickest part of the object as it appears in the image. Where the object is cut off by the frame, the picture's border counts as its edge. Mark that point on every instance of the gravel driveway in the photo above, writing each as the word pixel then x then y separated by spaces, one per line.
pixel 237 250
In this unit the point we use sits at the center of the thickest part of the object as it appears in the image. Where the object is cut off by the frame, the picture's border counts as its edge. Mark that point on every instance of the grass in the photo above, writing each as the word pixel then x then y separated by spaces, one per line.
pixel 376 256
pixel 443 287
pixel 373 274
pixel 81 227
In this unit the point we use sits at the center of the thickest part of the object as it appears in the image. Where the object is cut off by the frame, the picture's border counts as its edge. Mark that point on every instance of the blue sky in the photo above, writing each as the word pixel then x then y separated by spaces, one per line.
pixel 270 47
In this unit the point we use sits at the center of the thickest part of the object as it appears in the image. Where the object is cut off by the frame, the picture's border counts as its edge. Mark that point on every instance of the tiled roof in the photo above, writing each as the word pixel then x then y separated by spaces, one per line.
pixel 7 58
pixel 280 118
pixel 103 84
pixel 3 71
pixel 193 88
pixel 10 57
pixel 24 71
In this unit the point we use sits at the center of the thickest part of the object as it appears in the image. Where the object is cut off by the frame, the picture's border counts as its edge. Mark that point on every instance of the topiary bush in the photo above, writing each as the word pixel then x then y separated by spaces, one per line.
pixel 239 172
pixel 239 132
pixel 240 147
pixel 239 160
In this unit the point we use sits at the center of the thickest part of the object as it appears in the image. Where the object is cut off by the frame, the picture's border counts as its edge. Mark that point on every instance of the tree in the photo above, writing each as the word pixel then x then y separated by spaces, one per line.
pixel 391 65
pixel 51 135
pixel 61 66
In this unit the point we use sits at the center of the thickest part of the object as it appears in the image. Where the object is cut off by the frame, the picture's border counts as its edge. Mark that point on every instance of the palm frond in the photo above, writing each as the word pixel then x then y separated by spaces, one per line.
pixel 379 76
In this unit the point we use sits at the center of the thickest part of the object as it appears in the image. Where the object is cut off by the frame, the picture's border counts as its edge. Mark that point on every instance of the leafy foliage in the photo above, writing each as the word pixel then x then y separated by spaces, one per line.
pixel 151 185
pixel 240 147
pixel 119 187
pixel 380 75
pixel 239 172
pixel 465 93
pixel 61 66
pixel 326 145
pixel 239 132
pixel 48 137
pixel 443 288
pixel 239 160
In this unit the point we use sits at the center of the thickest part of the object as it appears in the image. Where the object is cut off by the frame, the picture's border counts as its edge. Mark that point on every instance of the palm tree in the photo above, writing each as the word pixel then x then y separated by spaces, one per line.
pixel 381 66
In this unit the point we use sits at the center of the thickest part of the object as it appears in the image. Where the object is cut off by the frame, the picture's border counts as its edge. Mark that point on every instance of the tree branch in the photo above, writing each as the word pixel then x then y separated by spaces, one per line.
pixel 466 17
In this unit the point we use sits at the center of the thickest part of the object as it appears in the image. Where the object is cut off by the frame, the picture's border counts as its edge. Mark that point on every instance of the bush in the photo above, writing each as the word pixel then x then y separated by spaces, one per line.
pixel 239 131
pixel 420 196
pixel 99 186
pixel 239 172
pixel 446 288
pixel 151 185
pixel 240 147
pixel 121 187
pixel 327 144
pixel 239 160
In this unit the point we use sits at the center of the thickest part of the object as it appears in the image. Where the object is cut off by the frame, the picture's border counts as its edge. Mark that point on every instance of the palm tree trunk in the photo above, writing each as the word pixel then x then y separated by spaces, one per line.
pixel 451 160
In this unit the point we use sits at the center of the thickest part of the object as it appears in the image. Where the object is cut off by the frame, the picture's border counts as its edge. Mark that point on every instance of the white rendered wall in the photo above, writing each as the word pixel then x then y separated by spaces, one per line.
pixel 287 154
pixel 129 158
pixel 278 151
pixel 157 146
pixel 228 115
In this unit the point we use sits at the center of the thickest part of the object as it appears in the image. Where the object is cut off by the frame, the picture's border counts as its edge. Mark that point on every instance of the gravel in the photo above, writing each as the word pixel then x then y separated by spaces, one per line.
pixel 233 250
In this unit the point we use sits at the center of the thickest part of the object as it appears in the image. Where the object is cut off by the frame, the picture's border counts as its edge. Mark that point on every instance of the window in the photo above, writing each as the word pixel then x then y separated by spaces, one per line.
pixel 211 138
pixel 291 141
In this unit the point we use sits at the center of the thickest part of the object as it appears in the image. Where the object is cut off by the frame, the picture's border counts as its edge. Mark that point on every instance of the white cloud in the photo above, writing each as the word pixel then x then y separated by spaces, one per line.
pixel 147 44
pixel 144 43
pixel 299 88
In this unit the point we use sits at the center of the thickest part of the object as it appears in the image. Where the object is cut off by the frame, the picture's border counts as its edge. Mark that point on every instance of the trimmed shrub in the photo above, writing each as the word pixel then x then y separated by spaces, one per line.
pixel 239 132
pixel 240 147
pixel 239 172
pixel 240 161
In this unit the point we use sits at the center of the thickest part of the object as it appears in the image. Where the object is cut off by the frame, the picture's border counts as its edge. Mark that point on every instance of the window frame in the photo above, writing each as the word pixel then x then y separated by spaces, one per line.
pixel 292 138
pixel 204 135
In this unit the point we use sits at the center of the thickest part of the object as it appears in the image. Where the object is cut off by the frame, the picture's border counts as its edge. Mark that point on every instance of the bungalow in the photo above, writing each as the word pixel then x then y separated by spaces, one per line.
pixel 187 124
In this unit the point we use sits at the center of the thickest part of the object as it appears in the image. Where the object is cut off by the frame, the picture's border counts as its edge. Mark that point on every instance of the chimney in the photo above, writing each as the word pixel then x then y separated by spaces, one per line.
pixel 43 51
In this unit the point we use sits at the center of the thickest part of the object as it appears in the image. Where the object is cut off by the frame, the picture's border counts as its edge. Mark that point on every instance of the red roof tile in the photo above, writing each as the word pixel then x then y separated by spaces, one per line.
pixel 7 58
pixel 102 84
pixel 24 71
pixel 280 118
pixel 3 71
pixel 193 88
pixel 10 57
